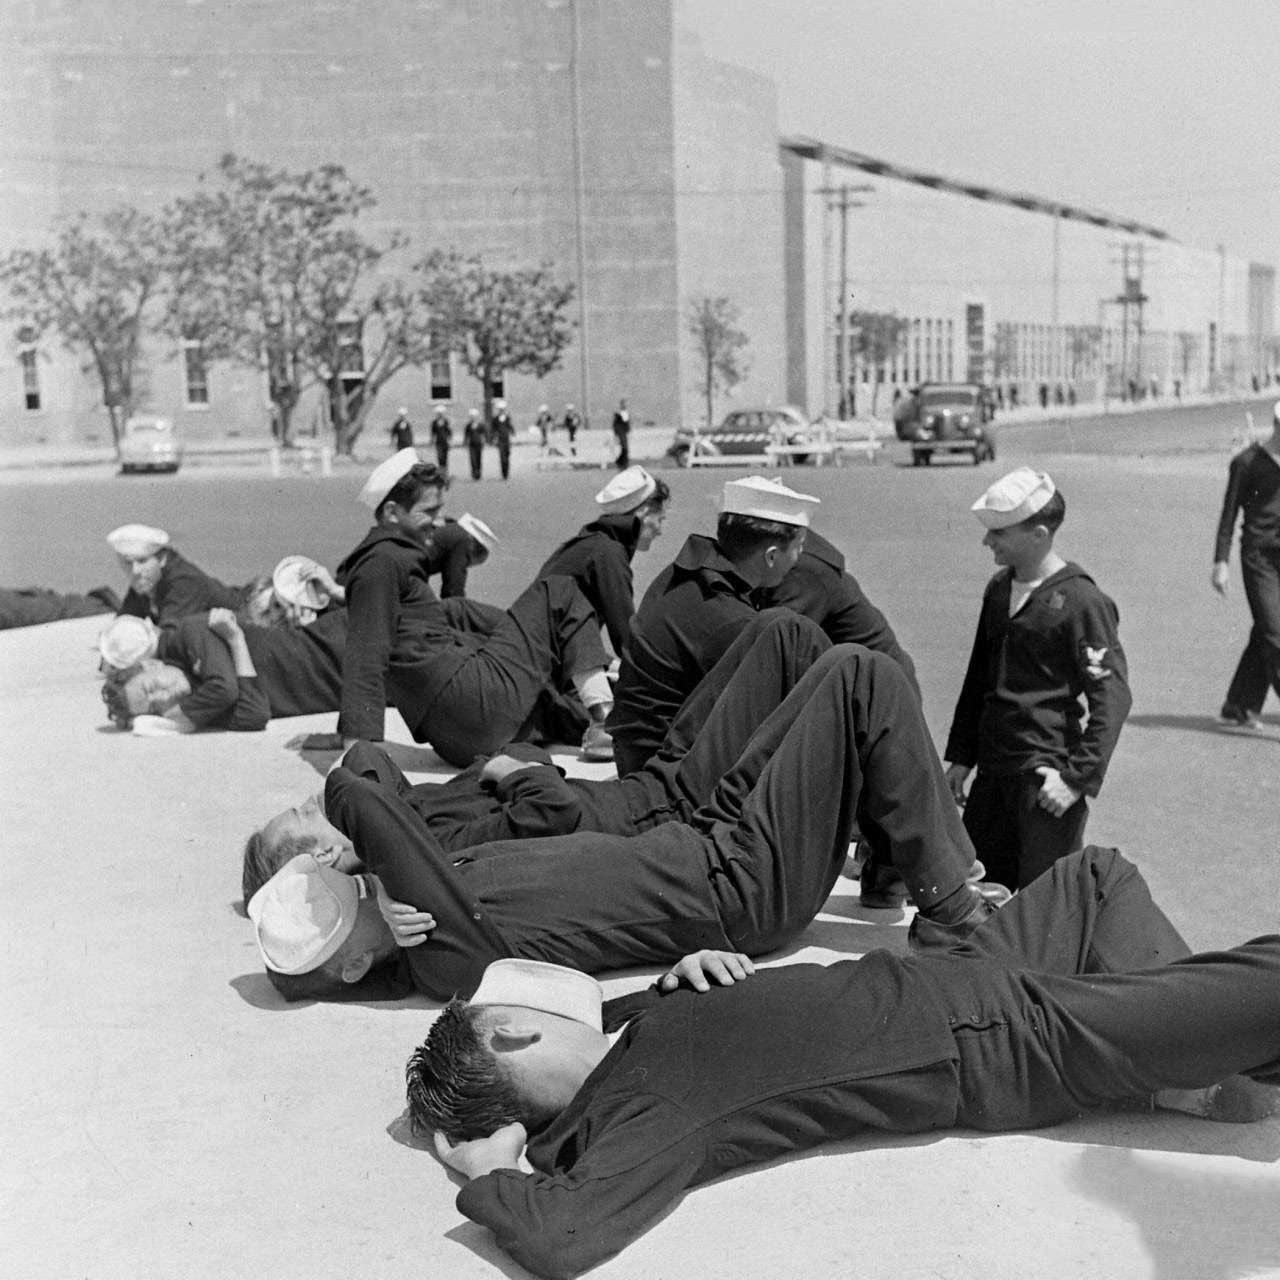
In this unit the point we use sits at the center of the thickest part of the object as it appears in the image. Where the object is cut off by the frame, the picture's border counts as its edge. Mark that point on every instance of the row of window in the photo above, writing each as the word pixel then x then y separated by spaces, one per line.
pixel 195 370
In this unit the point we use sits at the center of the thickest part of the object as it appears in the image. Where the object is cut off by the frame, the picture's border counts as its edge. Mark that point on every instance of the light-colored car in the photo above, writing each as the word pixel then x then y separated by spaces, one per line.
pixel 743 432
pixel 149 443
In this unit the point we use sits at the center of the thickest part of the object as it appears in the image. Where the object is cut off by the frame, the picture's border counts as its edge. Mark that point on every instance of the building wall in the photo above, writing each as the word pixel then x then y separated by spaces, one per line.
pixel 460 115
pixel 928 255
pixel 728 218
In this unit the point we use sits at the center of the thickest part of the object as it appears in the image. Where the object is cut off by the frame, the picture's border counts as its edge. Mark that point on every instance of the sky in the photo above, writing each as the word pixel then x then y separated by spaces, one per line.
pixel 1164 111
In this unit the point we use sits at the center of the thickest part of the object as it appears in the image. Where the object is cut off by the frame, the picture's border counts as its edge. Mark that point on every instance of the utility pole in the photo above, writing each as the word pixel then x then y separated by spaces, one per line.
pixel 841 198
pixel 1132 267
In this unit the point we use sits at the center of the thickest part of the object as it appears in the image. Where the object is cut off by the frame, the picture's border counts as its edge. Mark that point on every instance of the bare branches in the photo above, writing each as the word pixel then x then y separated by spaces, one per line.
pixel 721 347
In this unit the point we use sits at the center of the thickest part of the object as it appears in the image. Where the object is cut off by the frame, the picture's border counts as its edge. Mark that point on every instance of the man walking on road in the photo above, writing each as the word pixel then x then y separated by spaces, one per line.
pixel 1253 486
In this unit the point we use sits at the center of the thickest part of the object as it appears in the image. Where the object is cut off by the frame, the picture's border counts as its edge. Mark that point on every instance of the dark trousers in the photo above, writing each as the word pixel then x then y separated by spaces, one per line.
pixel 847 750
pixel 1016 839
pixel 442 455
pixel 623 459
pixel 1080 992
pixel 504 460
pixel 1259 665
pixel 475 455
pixel 31 606
pixel 755 675
pixel 547 636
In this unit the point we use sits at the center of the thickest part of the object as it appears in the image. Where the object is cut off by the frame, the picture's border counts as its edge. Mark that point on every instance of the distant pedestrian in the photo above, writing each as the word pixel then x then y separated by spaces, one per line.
pixel 622 433
pixel 572 421
pixel 1253 487
pixel 441 436
pixel 401 430
pixel 544 424
pixel 473 436
pixel 501 429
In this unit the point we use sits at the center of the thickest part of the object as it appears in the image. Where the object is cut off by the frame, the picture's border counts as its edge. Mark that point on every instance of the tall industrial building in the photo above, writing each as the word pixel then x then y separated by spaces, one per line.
pixel 594 135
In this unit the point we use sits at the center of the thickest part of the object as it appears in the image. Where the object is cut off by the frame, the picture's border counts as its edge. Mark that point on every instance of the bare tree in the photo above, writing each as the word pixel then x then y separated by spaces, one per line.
pixel 876 337
pixel 497 321
pixel 97 288
pixel 721 347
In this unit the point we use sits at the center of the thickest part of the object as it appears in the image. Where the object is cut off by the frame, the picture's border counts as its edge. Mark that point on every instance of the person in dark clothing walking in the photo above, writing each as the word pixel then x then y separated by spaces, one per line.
pixel 464 692
pixel 1047 639
pixel 598 557
pixel 163 586
pixel 1253 487
pixel 501 431
pixel 748 872
pixel 441 436
pixel 401 430
pixel 544 423
pixel 695 607
pixel 622 433
pixel 473 436
pixel 1077 995
pixel 572 423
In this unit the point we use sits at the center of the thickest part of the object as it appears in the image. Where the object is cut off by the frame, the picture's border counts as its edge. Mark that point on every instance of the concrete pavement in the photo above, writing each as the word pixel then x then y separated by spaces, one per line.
pixel 165 1114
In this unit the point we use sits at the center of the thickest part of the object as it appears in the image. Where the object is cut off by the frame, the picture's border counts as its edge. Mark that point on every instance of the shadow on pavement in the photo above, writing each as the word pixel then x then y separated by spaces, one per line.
pixel 1204 724
pixel 1196 1225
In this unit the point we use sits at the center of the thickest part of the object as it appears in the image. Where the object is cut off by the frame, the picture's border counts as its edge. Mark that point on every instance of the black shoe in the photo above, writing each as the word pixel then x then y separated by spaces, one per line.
pixel 927 935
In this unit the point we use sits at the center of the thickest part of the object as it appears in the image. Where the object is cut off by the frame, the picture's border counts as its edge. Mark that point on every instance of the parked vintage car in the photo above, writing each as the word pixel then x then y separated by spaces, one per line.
pixel 946 417
pixel 149 443
pixel 744 432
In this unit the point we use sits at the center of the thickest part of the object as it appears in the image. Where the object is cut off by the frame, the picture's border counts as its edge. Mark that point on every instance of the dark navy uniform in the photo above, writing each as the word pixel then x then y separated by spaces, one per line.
pixel 1253 486
pixel 182 590
pixel 219 698
pixel 501 431
pixel 747 873
pixel 449 551
pixel 1065 1000
pixel 32 606
pixel 598 558
pixel 819 587
pixel 464 692
pixel 473 436
pixel 713 733
pixel 689 616
pixel 441 438
pixel 299 671
pixel 1020 707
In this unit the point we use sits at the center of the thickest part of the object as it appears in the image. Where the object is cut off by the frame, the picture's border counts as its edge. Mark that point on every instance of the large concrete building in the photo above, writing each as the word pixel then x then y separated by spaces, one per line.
pixel 591 134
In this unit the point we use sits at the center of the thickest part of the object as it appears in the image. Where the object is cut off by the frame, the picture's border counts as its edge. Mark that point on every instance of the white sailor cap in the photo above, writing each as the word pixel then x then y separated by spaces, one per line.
pixel 126 640
pixel 768 500
pixel 385 477
pixel 304 913
pixel 293 581
pixel 1275 413
pixel 535 984
pixel 479 531
pixel 1014 498
pixel 137 541
pixel 626 491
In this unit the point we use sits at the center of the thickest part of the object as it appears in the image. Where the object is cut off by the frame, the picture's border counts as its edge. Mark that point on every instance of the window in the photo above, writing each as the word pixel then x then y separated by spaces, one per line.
pixel 195 373
pixel 27 358
pixel 498 388
pixel 441 376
